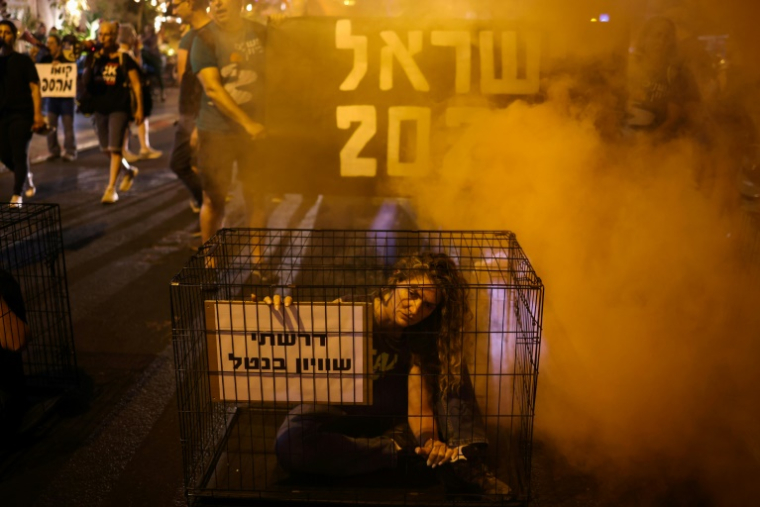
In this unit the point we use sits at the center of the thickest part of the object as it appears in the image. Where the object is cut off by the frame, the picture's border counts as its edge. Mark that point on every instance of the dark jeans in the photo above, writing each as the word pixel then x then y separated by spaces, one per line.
pixel 64 109
pixel 15 135
pixel 183 158
pixel 323 439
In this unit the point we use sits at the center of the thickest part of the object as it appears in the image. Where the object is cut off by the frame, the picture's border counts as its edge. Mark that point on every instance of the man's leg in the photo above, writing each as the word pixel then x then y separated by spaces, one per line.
pixel 20 134
pixel 116 125
pixel 69 136
pixel 254 189
pixel 5 144
pixel 182 160
pixel 54 149
pixel 211 216
pixel 215 159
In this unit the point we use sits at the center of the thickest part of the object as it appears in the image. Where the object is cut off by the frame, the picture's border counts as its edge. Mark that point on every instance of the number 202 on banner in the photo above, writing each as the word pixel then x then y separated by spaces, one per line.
pixel 351 165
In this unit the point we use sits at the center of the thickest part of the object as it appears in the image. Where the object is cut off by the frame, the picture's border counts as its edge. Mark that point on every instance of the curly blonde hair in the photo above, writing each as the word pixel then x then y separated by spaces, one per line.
pixel 438 341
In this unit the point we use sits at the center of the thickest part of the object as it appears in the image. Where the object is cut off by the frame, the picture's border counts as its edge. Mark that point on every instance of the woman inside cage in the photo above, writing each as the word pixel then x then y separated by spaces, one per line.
pixel 424 409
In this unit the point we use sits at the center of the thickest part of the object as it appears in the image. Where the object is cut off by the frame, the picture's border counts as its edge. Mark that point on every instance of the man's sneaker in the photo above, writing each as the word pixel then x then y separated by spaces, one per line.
pixel 128 179
pixel 30 188
pixel 69 157
pixel 52 156
pixel 150 154
pixel 16 201
pixel 110 196
pixel 130 157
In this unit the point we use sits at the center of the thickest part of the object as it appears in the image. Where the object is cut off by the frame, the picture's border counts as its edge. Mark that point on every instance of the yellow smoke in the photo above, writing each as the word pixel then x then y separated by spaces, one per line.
pixel 651 327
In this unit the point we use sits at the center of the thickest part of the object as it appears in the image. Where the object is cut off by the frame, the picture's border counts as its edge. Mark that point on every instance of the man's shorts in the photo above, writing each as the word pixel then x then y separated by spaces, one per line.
pixel 111 129
pixel 217 152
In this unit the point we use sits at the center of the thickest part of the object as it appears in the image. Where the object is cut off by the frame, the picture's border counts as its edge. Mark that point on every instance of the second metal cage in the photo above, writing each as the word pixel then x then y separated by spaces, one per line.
pixel 31 251
pixel 229 440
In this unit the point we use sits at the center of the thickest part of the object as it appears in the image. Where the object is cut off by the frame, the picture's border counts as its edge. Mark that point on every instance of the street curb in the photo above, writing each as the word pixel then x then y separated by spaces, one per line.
pixel 157 123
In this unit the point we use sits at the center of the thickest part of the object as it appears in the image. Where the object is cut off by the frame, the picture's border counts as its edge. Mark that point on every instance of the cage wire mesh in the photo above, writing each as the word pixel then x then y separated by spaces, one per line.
pixel 325 400
pixel 31 251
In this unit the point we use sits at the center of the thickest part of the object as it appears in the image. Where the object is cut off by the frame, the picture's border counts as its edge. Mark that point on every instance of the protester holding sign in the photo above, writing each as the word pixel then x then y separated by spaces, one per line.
pixel 228 58
pixel 60 107
pixel 20 108
pixel 423 401
pixel 112 79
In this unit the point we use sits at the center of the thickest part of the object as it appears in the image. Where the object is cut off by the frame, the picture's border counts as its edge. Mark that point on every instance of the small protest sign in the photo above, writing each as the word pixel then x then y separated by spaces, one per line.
pixel 318 352
pixel 58 79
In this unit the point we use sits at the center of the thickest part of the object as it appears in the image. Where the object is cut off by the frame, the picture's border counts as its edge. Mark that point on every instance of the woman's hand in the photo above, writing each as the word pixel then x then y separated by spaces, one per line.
pixel 276 300
pixel 437 452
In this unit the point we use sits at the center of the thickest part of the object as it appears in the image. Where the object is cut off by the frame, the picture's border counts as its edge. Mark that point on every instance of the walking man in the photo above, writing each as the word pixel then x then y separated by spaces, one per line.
pixel 60 107
pixel 109 75
pixel 183 161
pixel 228 58
pixel 20 107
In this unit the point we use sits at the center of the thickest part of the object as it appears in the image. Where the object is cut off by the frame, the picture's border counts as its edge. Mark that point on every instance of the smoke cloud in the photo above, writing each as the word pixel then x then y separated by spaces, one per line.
pixel 651 323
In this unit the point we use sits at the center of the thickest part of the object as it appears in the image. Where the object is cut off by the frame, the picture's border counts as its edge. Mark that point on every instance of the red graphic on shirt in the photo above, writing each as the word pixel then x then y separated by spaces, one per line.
pixel 110 72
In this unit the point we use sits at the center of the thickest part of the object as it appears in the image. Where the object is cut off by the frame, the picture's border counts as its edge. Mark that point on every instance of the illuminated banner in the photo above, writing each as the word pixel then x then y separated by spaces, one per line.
pixel 356 104
pixel 57 80
pixel 317 353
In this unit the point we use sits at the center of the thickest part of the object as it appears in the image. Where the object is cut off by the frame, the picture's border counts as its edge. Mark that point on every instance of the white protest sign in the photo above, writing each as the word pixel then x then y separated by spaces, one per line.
pixel 58 79
pixel 318 352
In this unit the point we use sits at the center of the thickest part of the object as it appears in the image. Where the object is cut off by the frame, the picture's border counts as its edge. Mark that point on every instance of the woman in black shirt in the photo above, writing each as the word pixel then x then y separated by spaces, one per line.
pixel 423 401
pixel 113 80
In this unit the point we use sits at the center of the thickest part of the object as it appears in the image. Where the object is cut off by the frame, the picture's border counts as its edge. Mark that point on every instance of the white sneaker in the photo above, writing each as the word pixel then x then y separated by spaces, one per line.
pixel 31 189
pixel 128 179
pixel 16 201
pixel 69 157
pixel 110 196
pixel 130 157
pixel 150 154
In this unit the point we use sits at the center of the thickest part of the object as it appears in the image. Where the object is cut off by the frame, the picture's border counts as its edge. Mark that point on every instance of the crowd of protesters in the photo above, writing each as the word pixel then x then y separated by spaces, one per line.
pixel 115 73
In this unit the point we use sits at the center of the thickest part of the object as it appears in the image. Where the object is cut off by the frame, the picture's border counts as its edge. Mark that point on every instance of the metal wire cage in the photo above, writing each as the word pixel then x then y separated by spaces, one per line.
pixel 272 407
pixel 31 251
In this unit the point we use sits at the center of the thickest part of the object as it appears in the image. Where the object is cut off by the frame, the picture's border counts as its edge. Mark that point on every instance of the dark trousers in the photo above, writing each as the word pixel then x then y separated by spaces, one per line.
pixel 64 109
pixel 182 159
pixel 323 439
pixel 15 135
